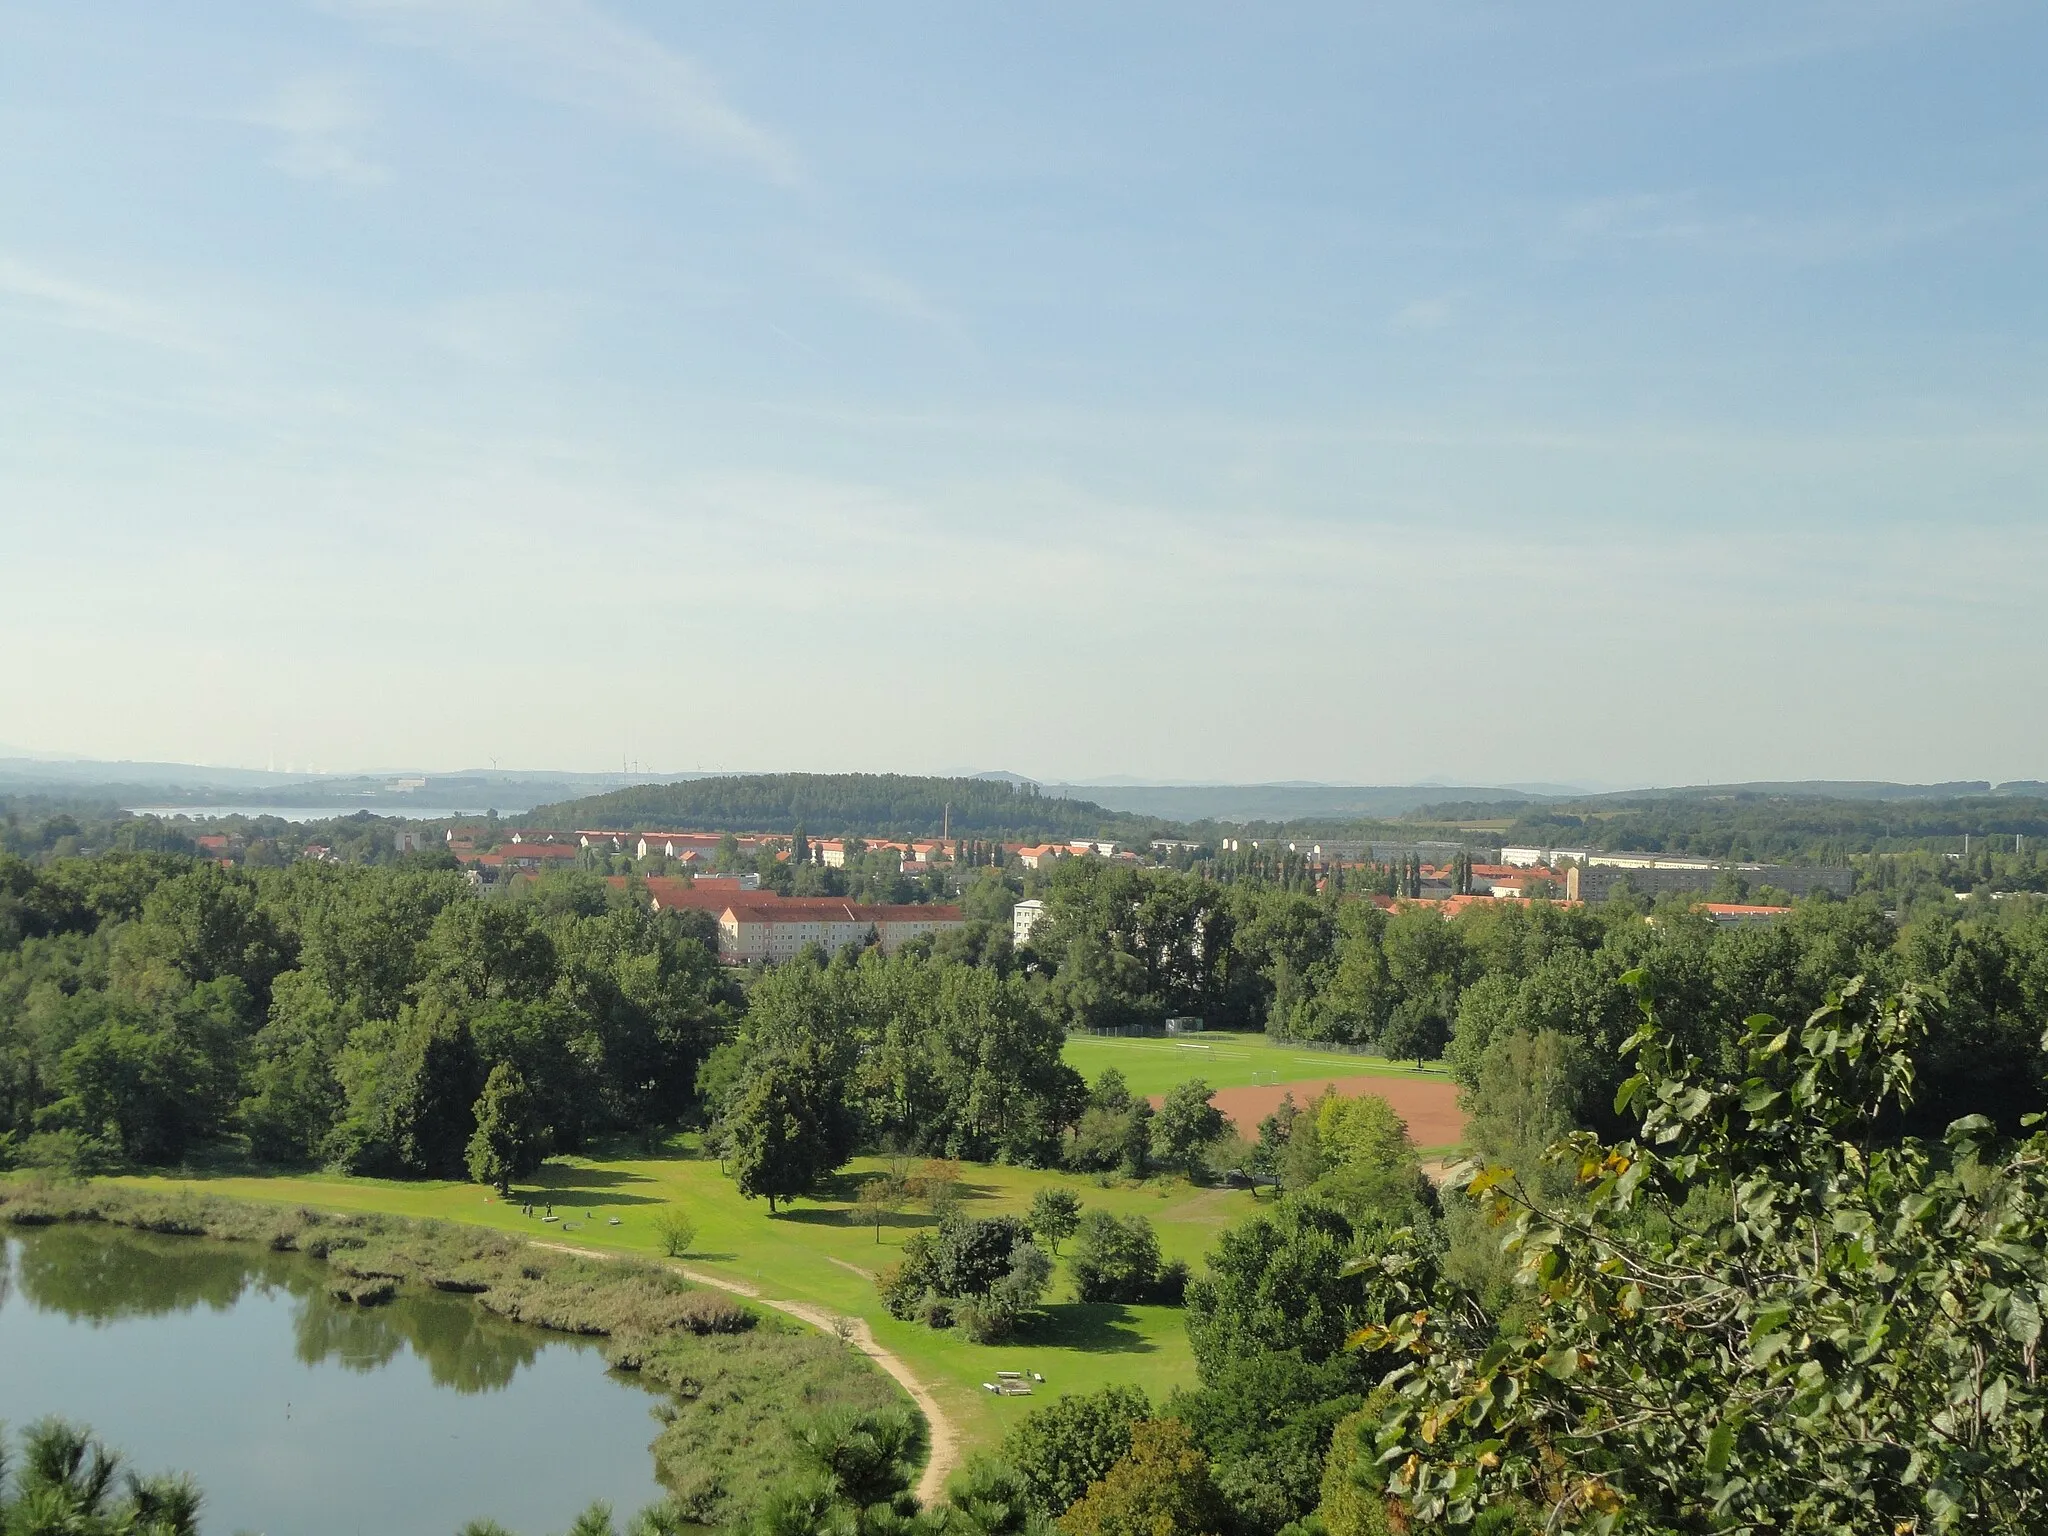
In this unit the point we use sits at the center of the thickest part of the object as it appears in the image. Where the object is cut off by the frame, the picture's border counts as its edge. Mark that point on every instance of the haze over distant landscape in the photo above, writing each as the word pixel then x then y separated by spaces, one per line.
pixel 927 770
pixel 1582 395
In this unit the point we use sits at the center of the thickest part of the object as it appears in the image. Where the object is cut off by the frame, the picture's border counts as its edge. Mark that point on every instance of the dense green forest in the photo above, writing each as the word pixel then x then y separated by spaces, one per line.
pixel 353 1015
pixel 35 827
pixel 832 804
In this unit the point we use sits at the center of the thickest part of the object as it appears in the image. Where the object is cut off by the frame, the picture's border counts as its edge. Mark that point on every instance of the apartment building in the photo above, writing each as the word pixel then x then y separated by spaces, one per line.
pixel 778 928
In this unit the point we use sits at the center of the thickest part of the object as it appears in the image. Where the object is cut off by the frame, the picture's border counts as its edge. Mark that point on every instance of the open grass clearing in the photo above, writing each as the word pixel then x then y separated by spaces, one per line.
pixel 1151 1065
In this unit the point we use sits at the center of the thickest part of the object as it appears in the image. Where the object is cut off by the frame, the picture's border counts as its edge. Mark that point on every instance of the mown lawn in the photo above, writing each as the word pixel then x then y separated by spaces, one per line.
pixel 814 1252
pixel 1151 1065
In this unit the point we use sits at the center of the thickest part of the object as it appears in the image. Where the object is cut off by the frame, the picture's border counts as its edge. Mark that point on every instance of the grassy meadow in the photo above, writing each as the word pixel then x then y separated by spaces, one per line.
pixel 1152 1065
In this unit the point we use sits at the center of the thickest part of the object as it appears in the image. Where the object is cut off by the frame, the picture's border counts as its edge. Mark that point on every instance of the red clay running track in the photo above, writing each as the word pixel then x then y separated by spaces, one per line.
pixel 1428 1104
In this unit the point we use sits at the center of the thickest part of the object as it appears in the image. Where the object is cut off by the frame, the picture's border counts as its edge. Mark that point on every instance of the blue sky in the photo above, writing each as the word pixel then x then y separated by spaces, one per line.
pixel 1355 393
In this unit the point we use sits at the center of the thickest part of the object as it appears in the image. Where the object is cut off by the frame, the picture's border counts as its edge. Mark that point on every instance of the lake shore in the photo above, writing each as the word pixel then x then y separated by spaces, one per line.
pixel 731 1370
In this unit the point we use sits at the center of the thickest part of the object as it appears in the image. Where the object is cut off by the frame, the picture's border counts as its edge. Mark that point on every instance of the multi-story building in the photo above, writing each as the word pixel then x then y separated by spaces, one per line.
pixel 776 928
pixel 1024 917
pixel 1596 882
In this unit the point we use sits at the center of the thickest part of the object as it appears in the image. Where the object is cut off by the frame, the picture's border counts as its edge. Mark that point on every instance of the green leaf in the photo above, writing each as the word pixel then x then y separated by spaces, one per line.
pixel 1561 1364
pixel 1721 1446
pixel 2022 1319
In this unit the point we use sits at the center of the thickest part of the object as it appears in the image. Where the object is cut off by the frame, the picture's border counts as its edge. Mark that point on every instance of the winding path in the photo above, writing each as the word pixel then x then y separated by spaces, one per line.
pixel 945 1447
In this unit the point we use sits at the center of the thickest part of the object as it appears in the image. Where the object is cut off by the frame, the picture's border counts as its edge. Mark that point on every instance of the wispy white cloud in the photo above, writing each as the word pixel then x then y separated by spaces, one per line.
pixel 320 123
pixel 571 52
pixel 64 300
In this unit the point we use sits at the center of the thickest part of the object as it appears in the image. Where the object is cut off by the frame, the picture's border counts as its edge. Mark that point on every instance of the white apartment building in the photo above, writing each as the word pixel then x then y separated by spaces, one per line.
pixel 771 929
pixel 1023 918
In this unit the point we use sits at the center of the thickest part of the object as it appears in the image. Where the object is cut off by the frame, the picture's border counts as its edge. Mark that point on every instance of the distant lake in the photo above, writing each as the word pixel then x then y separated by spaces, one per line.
pixel 303 1416
pixel 402 809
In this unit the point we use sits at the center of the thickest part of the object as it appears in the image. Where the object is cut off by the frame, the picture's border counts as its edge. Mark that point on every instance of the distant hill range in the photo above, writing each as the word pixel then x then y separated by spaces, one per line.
pixel 1821 823
pixel 138 784
pixel 1276 803
pixel 1811 818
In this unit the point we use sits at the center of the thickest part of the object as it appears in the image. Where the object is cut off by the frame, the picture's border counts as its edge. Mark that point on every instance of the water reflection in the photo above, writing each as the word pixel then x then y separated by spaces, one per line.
pixel 101 1277
pixel 464 1347
pixel 75 1270
pixel 221 1359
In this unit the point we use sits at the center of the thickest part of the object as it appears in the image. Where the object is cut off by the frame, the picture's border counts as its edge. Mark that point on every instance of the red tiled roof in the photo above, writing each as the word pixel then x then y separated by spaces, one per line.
pixel 671 892
pixel 709 895
pixel 816 910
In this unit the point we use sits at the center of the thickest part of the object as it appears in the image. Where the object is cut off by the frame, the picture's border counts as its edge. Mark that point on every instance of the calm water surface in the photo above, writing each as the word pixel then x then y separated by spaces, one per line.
pixel 298 1414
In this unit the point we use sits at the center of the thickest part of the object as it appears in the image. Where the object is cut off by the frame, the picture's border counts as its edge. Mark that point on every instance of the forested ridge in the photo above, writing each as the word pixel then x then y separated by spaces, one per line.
pixel 829 804
pixel 1758 825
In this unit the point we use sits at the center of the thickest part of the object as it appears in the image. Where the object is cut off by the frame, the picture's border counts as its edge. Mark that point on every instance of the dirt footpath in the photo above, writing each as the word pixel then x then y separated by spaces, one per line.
pixel 1428 1104
pixel 945 1439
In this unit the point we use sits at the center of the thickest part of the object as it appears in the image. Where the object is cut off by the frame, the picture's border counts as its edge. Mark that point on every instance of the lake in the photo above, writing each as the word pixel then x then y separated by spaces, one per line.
pixel 300 1414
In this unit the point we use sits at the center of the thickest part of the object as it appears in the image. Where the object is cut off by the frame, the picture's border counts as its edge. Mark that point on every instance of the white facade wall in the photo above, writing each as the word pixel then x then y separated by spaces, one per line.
pixel 1023 918
pixel 741 940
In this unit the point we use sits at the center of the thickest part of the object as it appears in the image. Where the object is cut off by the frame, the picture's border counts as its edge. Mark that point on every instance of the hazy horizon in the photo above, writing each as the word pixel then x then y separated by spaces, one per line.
pixel 1173 394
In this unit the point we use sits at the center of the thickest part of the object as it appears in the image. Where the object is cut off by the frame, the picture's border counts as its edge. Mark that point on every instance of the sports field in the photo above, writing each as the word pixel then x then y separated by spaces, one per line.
pixel 1250 1073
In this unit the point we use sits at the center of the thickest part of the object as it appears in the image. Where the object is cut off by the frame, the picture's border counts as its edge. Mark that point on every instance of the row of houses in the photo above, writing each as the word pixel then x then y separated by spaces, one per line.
pixel 1729 914
pixel 536 849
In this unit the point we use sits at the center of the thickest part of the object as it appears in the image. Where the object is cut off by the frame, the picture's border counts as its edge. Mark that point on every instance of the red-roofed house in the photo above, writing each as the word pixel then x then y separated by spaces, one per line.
pixel 1735 914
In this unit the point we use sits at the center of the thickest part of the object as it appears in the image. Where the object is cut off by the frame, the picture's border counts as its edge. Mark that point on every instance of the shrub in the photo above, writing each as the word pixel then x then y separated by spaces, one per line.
pixel 1055 1213
pixel 1161 1488
pixel 676 1231
pixel 704 1312
pixel 1030 1273
pixel 1171 1288
pixel 1115 1258
pixel 1097 1143
pixel 1185 1125
pixel 1060 1450
pixel 986 1319
pixel 974 1253
pixel 69 1151
pixel 903 1285
pixel 1278 1281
